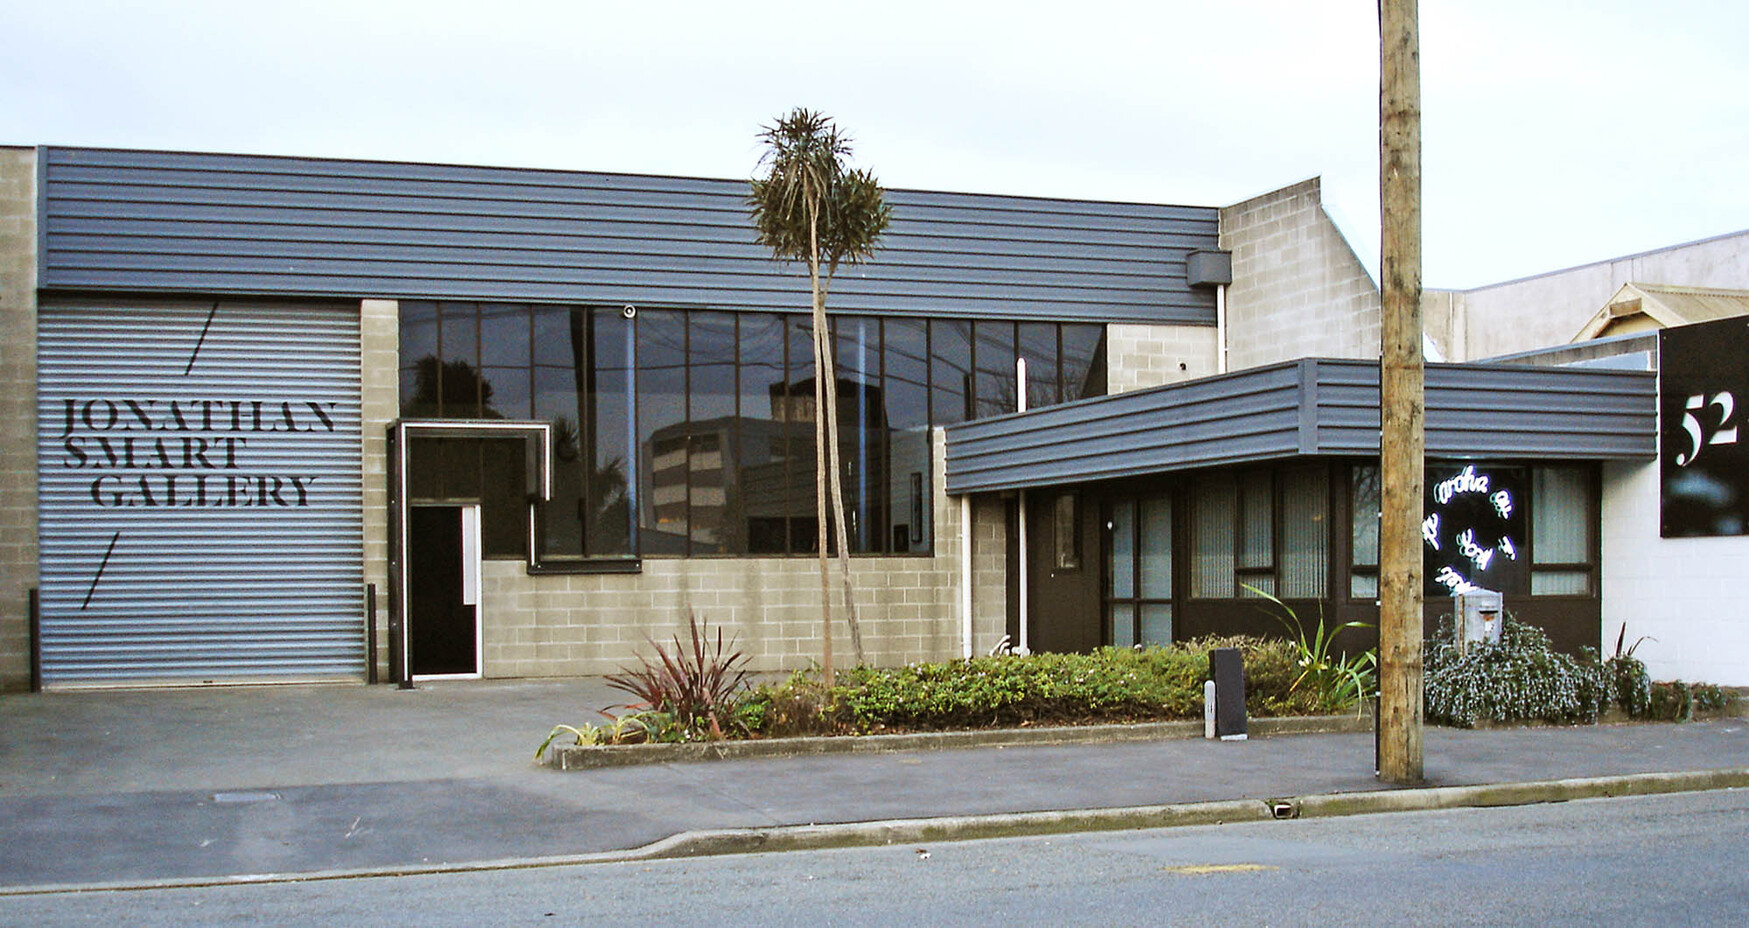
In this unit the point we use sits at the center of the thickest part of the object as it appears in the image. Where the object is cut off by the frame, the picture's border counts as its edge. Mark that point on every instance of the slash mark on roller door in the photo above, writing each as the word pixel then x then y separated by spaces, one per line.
pixel 99 575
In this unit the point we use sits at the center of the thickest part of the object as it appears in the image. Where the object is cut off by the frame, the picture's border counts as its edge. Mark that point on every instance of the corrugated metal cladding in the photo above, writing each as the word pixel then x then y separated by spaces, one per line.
pixel 160 221
pixel 1308 407
pixel 200 492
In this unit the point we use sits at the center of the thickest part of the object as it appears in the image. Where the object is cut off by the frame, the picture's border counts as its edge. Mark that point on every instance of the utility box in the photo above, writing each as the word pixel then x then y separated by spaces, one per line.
pixel 1478 616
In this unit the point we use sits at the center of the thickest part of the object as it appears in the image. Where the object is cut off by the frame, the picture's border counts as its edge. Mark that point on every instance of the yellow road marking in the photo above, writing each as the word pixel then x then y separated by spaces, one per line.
pixel 1204 869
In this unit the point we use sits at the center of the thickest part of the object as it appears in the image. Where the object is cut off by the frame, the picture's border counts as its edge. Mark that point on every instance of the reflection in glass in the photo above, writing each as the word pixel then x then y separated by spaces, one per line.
pixel 861 425
pixel 797 404
pixel 950 383
pixel 763 458
pixel 906 362
pixel 1083 363
pixel 456 379
pixel 993 353
pixel 1365 507
pixel 662 439
pixel 712 508
pixel 1038 345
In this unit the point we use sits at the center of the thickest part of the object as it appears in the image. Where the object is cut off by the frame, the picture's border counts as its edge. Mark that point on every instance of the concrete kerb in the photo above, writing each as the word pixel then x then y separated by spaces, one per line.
pixel 595 756
pixel 1023 824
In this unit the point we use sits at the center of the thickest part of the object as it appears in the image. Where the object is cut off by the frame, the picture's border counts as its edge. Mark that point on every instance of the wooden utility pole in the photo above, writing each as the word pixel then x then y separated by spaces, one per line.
pixel 1401 404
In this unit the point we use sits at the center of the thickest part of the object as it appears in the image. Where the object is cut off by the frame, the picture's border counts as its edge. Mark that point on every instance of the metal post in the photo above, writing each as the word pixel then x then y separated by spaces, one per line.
pixel 35 608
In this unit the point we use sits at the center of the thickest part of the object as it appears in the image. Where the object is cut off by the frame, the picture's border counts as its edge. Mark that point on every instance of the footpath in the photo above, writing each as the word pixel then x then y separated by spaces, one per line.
pixel 123 789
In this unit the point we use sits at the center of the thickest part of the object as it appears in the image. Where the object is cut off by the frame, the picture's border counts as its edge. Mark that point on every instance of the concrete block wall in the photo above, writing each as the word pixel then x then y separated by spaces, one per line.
pixel 1685 593
pixel 18 515
pixel 1142 356
pixel 1549 309
pixel 379 331
pixel 1298 289
pixel 908 607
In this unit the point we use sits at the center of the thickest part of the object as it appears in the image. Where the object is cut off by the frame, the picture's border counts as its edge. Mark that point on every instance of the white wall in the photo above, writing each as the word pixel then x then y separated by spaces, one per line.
pixel 1687 593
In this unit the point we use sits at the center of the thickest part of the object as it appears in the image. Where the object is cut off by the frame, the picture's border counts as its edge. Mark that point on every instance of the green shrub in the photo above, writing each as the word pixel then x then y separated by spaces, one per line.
pixel 1676 701
pixel 1521 677
pixel 1633 685
pixel 1109 685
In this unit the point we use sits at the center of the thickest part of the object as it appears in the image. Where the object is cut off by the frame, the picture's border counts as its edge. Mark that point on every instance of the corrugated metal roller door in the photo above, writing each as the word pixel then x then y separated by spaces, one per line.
pixel 200 491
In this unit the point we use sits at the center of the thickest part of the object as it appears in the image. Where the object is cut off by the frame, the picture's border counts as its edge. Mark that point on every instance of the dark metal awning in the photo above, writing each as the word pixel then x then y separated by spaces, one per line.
pixel 1314 406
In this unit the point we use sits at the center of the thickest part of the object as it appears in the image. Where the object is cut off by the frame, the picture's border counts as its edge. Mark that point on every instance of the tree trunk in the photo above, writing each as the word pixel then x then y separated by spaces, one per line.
pixel 1401 401
pixel 820 438
pixel 835 466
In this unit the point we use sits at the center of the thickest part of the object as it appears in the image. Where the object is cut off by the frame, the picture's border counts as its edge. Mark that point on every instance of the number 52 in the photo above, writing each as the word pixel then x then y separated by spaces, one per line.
pixel 1697 436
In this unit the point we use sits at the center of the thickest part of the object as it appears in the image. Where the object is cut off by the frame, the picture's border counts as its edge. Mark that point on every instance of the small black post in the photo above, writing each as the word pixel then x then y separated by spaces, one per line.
pixel 36 640
pixel 1228 668
pixel 370 632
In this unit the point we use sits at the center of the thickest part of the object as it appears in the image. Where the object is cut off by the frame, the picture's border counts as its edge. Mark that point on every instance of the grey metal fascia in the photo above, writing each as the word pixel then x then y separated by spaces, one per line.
pixel 162 222
pixel 1310 407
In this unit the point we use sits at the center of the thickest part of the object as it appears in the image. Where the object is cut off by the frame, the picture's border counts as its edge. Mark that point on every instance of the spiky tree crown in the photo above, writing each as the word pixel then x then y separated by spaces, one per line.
pixel 806 179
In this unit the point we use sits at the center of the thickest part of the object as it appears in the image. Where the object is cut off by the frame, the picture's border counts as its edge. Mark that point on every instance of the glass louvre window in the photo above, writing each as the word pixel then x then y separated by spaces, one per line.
pixel 1562 525
pixel 690 432
pixel 1214 509
pixel 1305 533
pixel 1256 549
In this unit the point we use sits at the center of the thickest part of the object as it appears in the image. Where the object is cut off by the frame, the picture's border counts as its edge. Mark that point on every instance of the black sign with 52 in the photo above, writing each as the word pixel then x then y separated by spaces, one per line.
pixel 1703 376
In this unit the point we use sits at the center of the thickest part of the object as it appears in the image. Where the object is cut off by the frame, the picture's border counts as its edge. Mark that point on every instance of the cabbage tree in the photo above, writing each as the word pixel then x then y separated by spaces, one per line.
pixel 810 206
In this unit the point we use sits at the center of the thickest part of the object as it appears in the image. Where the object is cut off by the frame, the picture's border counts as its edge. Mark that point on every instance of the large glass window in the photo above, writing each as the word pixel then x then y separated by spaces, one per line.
pixel 691 432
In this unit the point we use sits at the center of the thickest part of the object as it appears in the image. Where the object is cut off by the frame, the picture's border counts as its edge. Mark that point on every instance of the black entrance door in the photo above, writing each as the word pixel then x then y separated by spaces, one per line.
pixel 1063 572
pixel 442 606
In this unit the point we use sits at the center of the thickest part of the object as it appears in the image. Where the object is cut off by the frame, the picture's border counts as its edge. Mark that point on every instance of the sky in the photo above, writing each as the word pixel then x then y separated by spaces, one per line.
pixel 1553 133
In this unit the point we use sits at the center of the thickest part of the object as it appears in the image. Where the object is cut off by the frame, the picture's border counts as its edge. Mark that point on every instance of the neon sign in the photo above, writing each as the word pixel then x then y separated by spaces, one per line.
pixel 1472 530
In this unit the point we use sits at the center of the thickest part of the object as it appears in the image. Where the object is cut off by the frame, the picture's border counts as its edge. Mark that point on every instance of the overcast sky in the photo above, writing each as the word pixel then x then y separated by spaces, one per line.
pixel 1554 133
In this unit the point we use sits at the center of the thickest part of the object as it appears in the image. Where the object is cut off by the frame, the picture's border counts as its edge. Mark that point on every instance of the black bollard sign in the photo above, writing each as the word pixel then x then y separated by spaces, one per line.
pixel 1228 669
